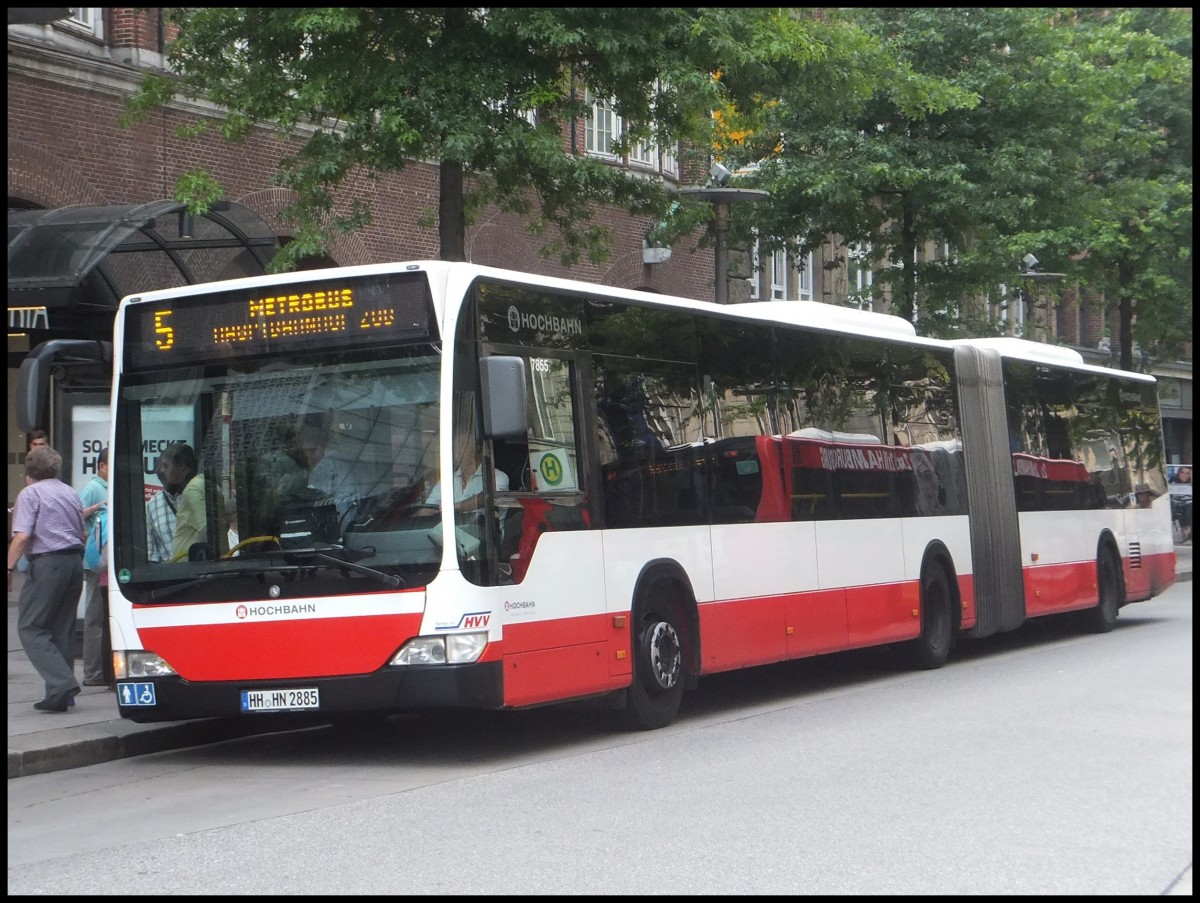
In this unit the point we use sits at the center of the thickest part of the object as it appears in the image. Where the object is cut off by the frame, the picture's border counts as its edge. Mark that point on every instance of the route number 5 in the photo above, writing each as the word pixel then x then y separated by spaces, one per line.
pixel 166 334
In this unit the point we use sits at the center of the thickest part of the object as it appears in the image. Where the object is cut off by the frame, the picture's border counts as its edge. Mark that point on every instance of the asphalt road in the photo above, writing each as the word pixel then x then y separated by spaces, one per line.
pixel 1040 762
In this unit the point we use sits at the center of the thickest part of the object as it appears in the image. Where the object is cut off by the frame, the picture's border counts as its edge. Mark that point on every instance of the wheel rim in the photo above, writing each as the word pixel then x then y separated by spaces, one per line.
pixel 663 654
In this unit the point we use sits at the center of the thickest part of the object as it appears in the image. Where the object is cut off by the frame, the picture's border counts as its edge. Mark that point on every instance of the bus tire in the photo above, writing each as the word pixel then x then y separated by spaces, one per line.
pixel 1103 617
pixel 653 699
pixel 930 650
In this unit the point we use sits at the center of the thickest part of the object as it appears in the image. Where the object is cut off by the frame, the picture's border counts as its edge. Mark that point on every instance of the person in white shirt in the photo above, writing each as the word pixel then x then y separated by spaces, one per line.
pixel 325 474
pixel 467 481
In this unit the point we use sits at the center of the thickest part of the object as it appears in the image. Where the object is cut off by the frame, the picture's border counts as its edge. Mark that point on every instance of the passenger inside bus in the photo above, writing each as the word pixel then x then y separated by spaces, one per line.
pixel 326 474
pixel 191 515
pixel 160 516
pixel 467 480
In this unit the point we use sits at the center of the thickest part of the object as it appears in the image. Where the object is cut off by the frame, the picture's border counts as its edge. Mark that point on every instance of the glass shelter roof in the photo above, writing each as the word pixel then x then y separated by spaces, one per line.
pixel 91 257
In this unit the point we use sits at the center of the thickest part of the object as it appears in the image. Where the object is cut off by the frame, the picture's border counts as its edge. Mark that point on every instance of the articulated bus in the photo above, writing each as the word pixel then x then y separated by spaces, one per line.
pixel 640 490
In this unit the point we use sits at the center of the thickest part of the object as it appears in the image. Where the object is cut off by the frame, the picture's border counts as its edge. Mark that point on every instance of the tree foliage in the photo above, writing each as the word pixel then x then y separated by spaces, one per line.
pixel 1137 235
pixel 374 89
pixel 996 132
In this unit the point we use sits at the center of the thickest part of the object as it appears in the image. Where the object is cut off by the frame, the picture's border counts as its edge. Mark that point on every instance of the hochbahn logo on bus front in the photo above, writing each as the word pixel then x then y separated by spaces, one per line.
pixel 274 610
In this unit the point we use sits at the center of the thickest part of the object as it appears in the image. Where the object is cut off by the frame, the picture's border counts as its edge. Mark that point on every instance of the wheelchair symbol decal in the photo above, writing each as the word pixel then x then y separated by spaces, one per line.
pixel 137 694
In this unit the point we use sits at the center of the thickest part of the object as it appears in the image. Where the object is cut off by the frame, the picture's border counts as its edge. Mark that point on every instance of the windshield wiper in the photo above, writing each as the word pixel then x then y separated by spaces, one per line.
pixel 292 567
pixel 332 560
pixel 388 579
pixel 163 591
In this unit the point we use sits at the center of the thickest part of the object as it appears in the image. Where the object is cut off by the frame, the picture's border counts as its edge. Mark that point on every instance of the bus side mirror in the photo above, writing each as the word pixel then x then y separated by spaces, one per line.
pixel 502 380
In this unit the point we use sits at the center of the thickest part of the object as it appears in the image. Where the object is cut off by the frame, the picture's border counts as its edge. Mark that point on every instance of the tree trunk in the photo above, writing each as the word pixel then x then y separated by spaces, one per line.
pixel 1125 312
pixel 908 263
pixel 452 217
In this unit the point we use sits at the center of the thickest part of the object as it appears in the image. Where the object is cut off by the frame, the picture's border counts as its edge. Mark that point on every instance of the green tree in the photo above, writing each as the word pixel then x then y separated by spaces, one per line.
pixel 1136 239
pixel 987 130
pixel 376 88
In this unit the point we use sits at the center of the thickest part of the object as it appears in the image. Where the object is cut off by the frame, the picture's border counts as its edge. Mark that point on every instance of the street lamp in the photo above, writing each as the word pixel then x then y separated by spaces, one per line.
pixel 1032 273
pixel 722 198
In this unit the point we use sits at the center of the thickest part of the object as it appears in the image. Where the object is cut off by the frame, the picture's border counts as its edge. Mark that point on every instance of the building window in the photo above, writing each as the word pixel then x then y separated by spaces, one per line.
pixel 87 19
pixel 601 126
pixel 791 279
pixel 644 153
pixel 1010 312
pixel 755 279
pixel 804 277
pixel 670 163
pixel 859 276
pixel 501 108
pixel 779 274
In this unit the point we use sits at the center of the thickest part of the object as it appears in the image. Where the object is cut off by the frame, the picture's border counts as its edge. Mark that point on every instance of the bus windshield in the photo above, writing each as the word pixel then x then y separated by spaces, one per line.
pixel 309 465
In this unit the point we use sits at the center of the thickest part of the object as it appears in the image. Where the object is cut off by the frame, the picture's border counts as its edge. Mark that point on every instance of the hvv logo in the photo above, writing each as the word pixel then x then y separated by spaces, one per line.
pixel 477 619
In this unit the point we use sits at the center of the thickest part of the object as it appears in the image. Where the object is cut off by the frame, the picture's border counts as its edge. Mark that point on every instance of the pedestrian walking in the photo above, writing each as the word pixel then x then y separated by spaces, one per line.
pixel 35 439
pixel 48 529
pixel 93 497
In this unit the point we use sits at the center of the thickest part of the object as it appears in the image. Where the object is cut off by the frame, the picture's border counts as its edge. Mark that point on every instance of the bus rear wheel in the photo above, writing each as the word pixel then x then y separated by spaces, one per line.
pixel 653 699
pixel 1103 617
pixel 930 650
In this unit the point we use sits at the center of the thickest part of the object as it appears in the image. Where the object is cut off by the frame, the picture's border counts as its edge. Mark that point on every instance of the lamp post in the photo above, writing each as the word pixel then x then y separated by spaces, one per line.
pixel 1033 274
pixel 722 199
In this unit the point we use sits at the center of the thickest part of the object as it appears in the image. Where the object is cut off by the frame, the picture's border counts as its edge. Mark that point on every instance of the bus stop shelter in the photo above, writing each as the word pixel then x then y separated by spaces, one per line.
pixel 68 268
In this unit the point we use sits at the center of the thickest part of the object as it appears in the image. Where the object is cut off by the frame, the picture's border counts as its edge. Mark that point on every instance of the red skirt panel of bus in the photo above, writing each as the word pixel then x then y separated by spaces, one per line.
pixel 887 613
pixel 758 631
pixel 1156 574
pixel 1059 587
pixel 559 659
pixel 281 650
pixel 1066 587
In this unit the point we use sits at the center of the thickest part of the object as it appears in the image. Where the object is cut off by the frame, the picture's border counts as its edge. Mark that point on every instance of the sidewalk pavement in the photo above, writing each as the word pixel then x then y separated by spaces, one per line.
pixel 93 731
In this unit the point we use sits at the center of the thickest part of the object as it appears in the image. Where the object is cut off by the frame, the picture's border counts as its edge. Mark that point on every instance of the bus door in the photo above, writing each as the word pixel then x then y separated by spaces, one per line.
pixel 545 471
pixel 557 640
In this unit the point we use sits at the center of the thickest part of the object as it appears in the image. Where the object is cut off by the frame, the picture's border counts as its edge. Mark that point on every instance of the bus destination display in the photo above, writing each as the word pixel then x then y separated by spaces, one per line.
pixel 296 316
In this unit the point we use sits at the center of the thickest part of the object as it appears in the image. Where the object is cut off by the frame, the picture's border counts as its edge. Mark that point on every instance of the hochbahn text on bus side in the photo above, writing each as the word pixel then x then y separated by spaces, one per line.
pixel 422 485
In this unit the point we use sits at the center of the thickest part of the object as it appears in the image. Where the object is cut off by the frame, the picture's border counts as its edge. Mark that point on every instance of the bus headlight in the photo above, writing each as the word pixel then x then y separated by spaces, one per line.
pixel 454 649
pixel 134 664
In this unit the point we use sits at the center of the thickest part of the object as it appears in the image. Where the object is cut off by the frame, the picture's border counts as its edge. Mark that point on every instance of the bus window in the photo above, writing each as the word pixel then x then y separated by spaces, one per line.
pixel 545 473
pixel 649 414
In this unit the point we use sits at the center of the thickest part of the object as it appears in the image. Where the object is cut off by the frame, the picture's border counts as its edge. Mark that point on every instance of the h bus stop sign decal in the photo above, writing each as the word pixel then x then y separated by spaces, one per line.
pixel 553 470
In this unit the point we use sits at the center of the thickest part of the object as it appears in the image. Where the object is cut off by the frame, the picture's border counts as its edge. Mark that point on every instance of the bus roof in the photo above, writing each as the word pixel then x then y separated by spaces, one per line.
pixel 829 316
pixel 1043 353
pixel 812 314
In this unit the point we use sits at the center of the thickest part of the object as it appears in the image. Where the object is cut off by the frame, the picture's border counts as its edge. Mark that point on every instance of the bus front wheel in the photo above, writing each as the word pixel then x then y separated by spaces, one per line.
pixel 653 699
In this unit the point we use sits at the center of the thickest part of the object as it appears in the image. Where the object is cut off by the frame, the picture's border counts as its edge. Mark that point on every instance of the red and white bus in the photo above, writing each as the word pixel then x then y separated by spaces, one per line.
pixel 647 490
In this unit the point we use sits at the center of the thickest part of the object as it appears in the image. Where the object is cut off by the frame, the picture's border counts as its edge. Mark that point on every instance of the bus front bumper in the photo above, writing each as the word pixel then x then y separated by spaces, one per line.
pixel 404 689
